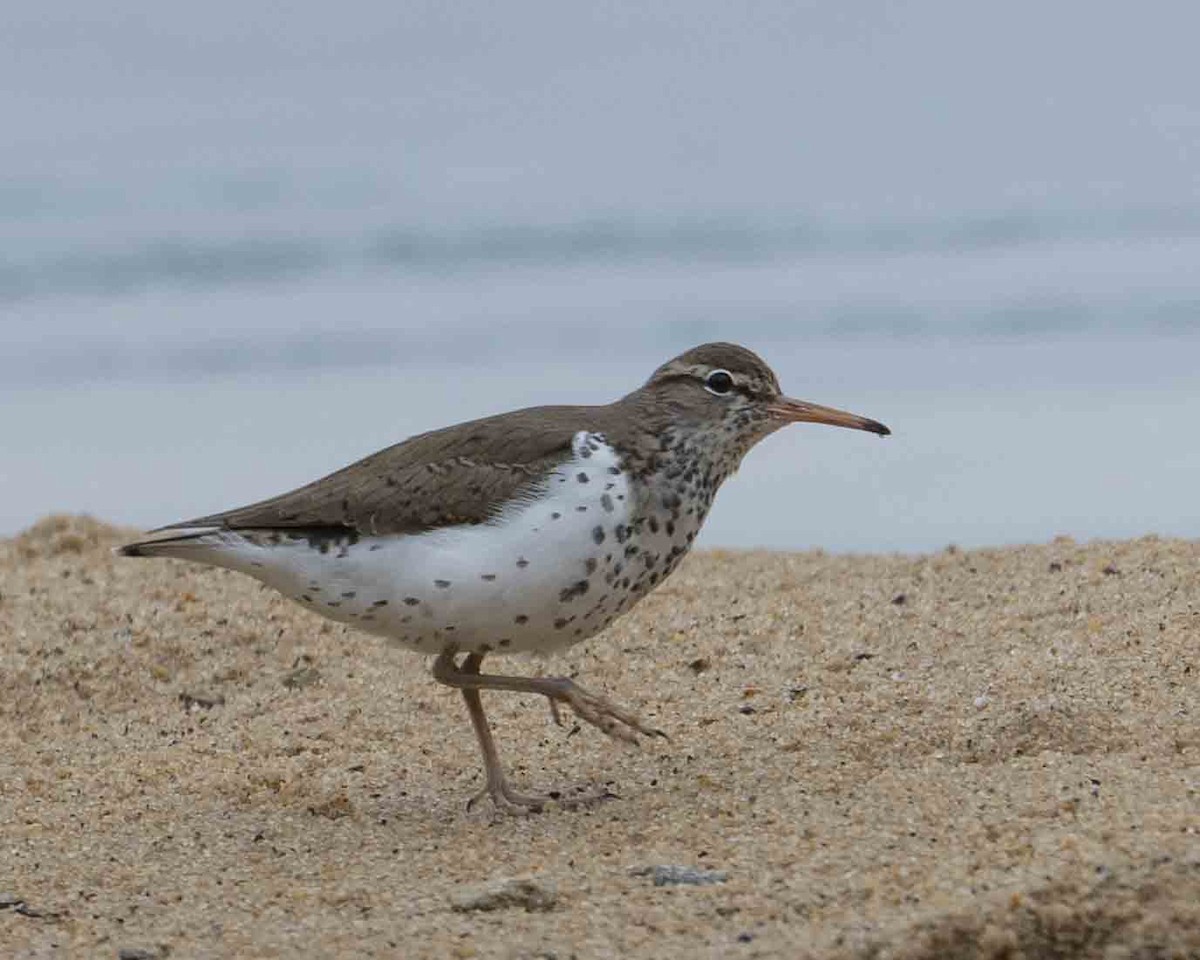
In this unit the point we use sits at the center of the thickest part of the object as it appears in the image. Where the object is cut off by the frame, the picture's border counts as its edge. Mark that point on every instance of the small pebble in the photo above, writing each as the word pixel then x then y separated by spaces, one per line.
pixel 200 701
pixel 670 875
pixel 301 677
pixel 523 892
pixel 137 953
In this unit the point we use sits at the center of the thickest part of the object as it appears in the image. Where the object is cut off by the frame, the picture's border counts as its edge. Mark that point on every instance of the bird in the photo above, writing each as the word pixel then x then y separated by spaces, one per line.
pixel 524 532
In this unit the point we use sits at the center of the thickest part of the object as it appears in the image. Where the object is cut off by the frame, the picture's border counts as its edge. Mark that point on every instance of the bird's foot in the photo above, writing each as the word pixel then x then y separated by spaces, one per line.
pixel 507 800
pixel 592 708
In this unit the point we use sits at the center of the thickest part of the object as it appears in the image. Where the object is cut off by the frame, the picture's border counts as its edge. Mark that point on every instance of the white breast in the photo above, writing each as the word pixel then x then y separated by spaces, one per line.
pixel 537 577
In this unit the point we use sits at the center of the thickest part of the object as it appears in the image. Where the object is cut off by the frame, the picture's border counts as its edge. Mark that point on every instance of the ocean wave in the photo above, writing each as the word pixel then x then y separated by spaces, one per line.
pixel 123 268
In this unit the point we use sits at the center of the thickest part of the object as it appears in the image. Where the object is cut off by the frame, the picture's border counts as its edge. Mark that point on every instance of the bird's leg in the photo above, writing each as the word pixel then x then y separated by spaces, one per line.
pixel 589 707
pixel 446 671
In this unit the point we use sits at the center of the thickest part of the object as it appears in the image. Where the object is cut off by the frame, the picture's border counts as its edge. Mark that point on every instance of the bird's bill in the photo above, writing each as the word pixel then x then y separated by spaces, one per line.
pixel 794 411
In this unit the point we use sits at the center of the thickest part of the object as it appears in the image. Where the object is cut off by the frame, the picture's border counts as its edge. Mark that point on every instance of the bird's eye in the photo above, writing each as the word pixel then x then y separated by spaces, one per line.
pixel 718 382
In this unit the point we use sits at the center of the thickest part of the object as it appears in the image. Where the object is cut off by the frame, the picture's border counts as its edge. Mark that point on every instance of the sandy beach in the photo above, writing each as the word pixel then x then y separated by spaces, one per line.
pixel 989 753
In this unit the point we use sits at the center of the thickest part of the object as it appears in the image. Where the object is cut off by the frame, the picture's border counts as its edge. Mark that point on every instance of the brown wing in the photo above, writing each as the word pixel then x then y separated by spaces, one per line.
pixel 460 474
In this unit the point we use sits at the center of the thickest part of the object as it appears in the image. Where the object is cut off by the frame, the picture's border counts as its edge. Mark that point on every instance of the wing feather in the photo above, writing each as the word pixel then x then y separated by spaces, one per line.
pixel 456 475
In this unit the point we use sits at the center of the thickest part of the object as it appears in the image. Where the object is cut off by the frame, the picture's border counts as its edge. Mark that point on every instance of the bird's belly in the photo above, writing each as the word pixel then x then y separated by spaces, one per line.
pixel 539 577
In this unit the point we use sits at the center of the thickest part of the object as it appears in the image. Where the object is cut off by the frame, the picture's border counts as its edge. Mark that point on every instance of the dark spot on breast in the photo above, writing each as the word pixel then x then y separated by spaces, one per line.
pixel 306 598
pixel 506 641
pixel 556 515
pixel 375 546
pixel 590 564
pixel 615 471
pixel 441 584
pixel 520 619
pixel 487 576
pixel 333 603
pixel 670 528
pixel 631 550
pixel 380 603
pixel 350 594
pixel 411 601
pixel 606 502
pixel 522 562
pixel 581 509
pixel 654 524
pixel 581 477
pixel 560 623
pixel 622 533
pixel 598 535
pixel 577 589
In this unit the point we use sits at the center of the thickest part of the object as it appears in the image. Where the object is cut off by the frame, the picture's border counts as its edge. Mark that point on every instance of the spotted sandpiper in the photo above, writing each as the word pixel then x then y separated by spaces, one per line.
pixel 524 532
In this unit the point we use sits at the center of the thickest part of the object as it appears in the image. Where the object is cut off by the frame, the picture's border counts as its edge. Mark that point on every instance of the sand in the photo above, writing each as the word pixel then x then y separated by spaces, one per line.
pixel 981 754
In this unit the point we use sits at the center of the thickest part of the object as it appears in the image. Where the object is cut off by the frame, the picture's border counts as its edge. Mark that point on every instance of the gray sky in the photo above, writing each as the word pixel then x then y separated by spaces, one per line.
pixel 473 110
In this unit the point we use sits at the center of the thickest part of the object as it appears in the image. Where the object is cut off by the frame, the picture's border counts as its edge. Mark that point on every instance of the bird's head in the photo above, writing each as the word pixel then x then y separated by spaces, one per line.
pixel 728 389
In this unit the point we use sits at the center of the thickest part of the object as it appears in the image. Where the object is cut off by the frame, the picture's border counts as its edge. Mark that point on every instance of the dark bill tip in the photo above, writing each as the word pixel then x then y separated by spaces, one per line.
pixel 801 411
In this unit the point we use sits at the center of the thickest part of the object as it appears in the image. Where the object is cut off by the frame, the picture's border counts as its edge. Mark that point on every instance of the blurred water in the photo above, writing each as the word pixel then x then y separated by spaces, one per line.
pixel 238 250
